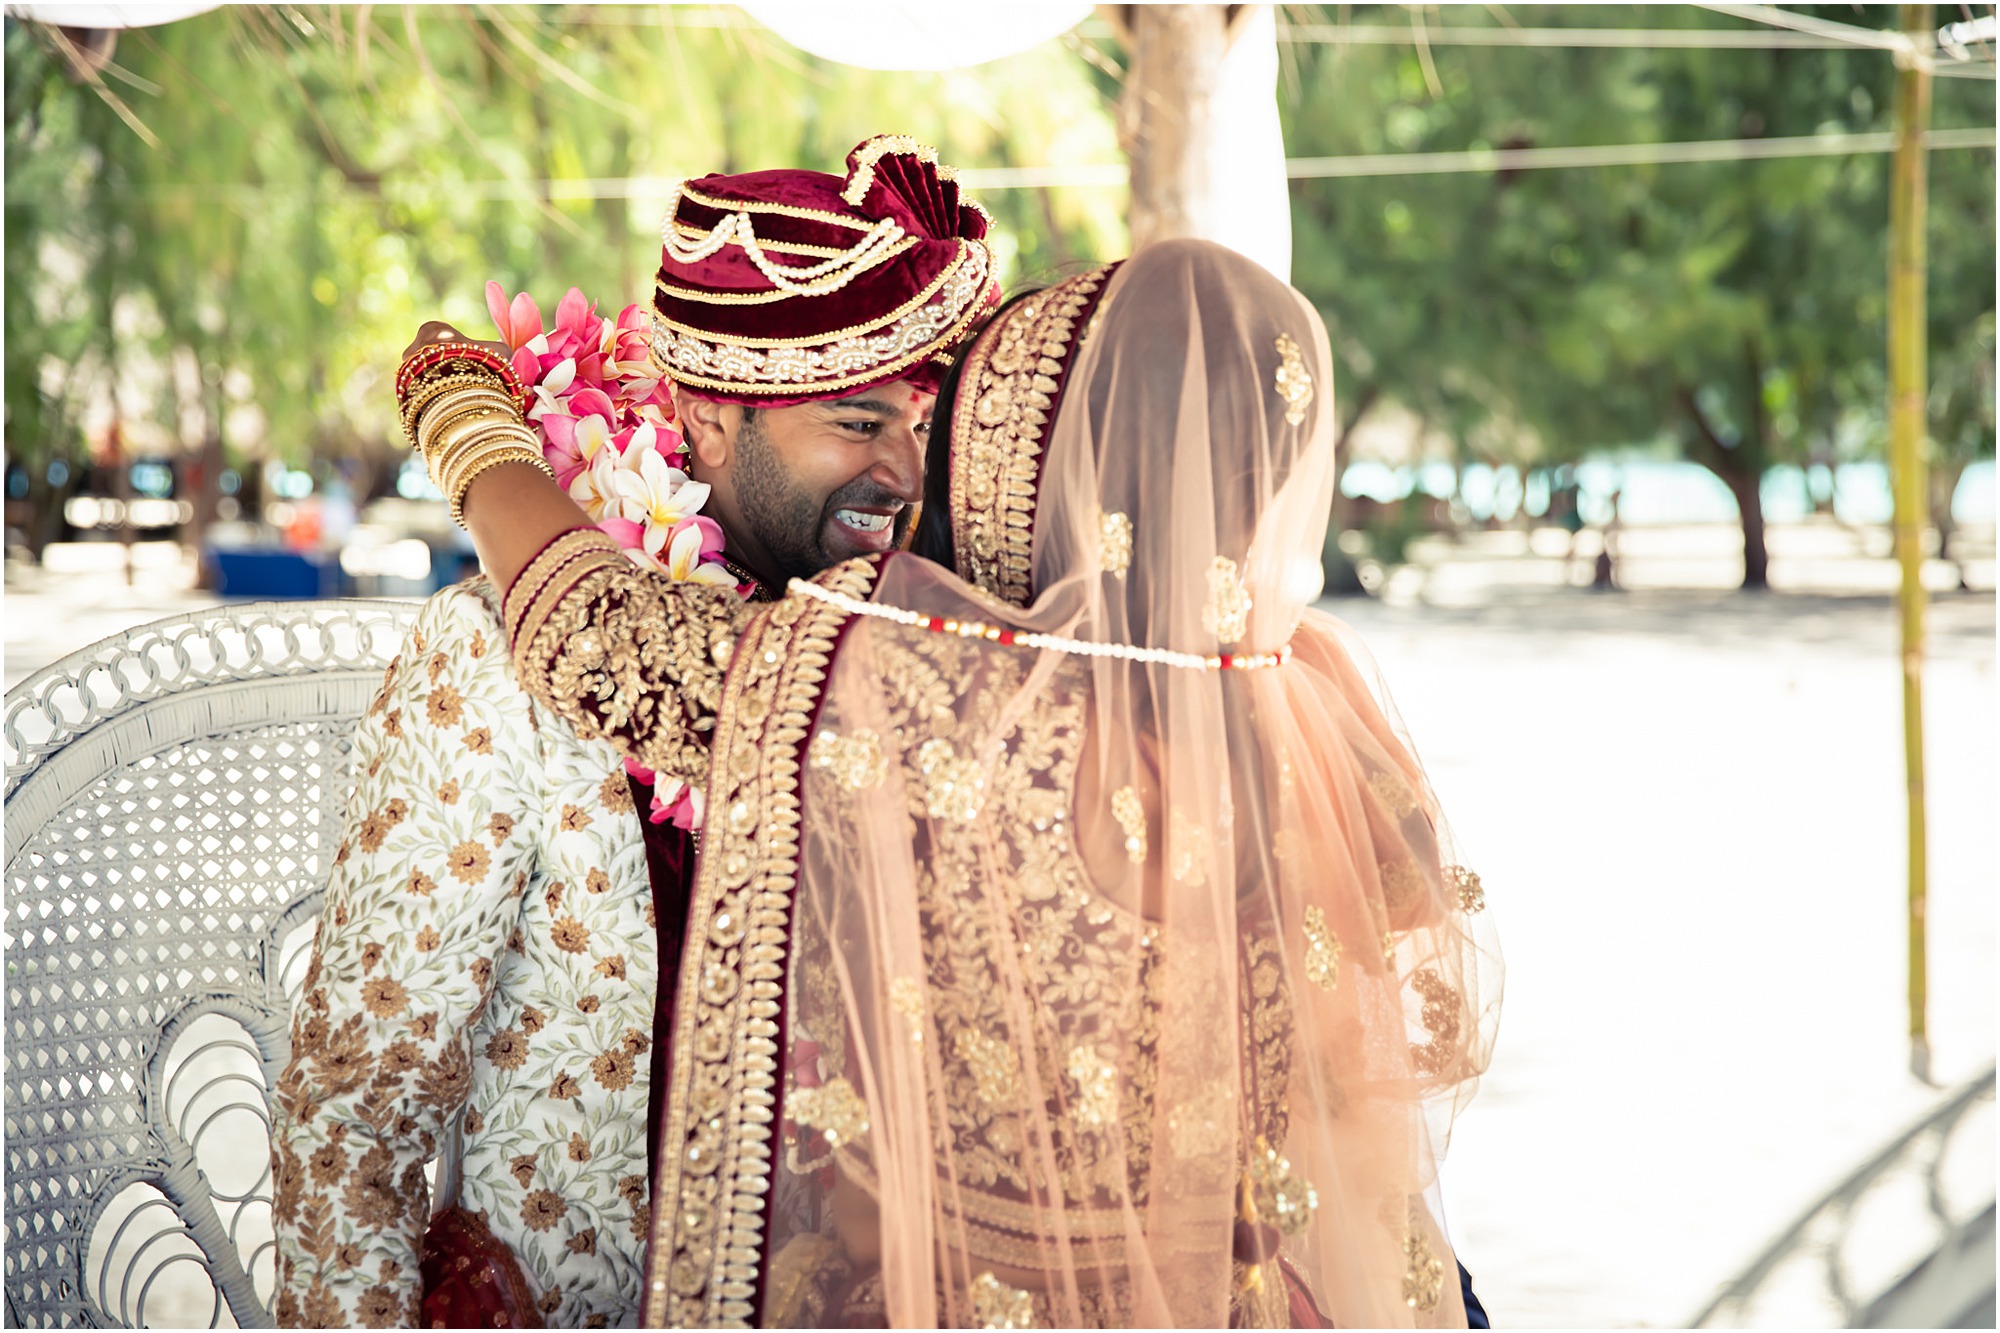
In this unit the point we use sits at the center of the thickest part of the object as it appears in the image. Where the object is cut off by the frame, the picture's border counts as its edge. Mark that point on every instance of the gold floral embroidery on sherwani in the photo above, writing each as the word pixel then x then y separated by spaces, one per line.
pixel 623 654
pixel 486 959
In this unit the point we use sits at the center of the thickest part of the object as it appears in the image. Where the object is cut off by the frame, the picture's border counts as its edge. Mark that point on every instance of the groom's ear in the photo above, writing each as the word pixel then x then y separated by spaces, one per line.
pixel 710 429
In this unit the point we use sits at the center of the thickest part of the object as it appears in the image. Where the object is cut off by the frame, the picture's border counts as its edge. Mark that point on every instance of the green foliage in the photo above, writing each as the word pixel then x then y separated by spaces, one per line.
pixel 311 182
pixel 1735 308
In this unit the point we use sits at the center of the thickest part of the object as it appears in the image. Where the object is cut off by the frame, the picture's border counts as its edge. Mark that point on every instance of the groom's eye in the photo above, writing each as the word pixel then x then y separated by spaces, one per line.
pixel 867 427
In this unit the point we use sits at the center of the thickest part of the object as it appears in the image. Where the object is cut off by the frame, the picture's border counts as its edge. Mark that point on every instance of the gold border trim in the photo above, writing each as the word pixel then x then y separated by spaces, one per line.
pixel 776 293
pixel 861 177
pixel 924 297
pixel 758 206
pixel 707 1240
pixel 996 463
pixel 904 343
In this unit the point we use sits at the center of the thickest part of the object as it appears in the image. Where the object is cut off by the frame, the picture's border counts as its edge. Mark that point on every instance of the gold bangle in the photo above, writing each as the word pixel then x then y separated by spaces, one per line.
pixel 510 454
pixel 480 439
pixel 458 399
pixel 457 465
pixel 441 434
pixel 436 387
pixel 442 388
pixel 463 434
pixel 443 431
pixel 446 467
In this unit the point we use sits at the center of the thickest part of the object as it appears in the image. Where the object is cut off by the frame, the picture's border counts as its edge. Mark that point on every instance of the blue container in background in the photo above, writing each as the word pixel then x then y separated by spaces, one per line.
pixel 271 572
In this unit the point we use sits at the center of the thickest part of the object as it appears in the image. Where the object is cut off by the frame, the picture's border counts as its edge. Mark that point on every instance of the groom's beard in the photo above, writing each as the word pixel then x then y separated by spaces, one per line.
pixel 789 521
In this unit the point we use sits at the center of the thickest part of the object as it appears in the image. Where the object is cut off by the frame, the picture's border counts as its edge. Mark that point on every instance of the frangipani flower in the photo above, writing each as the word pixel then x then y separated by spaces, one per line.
pixel 651 490
pixel 550 386
pixel 673 800
pixel 594 487
pixel 692 551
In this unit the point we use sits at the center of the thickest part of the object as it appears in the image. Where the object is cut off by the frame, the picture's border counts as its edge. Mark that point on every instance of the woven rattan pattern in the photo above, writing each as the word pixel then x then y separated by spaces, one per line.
pixel 174 797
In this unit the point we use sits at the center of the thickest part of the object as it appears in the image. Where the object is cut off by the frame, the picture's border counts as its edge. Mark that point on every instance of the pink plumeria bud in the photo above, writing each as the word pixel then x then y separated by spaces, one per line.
pixel 518 322
pixel 574 314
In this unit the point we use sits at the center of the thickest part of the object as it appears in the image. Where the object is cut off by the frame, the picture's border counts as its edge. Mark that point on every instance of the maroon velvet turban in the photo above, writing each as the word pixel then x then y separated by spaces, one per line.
pixel 781 287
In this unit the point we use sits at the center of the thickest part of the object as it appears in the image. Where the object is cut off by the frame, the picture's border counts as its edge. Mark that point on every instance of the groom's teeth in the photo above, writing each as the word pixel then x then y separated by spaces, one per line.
pixel 864 522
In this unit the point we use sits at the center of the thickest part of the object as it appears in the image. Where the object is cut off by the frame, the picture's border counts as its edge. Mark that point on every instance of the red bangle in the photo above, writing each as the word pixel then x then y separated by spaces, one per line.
pixel 430 357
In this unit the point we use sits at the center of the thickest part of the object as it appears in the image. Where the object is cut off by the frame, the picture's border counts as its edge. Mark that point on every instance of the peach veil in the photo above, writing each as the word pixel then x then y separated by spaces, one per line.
pixel 1028 987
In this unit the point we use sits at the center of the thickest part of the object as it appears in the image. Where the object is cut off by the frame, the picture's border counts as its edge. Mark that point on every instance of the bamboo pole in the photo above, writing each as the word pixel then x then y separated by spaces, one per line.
pixel 1907 455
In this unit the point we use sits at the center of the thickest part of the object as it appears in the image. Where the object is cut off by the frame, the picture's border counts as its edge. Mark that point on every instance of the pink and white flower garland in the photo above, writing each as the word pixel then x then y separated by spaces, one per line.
pixel 607 426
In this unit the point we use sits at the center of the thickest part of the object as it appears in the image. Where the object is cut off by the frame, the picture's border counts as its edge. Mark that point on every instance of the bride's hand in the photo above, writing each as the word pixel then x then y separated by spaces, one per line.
pixel 436 330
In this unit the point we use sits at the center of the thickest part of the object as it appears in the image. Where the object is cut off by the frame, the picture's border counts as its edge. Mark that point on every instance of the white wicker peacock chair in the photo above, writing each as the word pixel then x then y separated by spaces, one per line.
pixel 173 800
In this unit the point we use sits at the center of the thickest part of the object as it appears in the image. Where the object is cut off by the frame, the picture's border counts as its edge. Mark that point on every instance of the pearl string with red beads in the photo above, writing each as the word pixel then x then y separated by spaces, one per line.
pixel 973 629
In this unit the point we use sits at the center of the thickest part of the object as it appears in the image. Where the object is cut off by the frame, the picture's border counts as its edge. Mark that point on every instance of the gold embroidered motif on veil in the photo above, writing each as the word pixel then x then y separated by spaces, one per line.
pixel 1441 1018
pixel 1471 893
pixel 1131 817
pixel 1096 1086
pixel 1189 847
pixel 997 1305
pixel 1423 1274
pixel 1322 951
pixel 1394 793
pixel 1280 1196
pixel 1294 381
pixel 1226 612
pixel 995 1068
pixel 1114 543
pixel 1403 883
pixel 855 760
pixel 834 1108
pixel 954 785
pixel 906 997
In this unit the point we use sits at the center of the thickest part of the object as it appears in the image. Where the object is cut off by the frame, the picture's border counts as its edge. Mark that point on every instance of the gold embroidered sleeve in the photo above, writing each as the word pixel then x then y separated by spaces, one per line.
pixel 622 654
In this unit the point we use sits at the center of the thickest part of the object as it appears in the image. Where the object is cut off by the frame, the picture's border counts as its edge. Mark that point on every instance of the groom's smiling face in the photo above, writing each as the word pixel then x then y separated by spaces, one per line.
pixel 800 488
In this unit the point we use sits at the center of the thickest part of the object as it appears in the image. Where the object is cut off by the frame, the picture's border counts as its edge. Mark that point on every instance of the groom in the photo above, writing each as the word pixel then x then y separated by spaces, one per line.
pixel 501 914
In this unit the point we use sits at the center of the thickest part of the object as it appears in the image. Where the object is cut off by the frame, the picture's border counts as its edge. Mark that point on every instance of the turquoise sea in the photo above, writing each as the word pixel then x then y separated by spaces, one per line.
pixel 1657 491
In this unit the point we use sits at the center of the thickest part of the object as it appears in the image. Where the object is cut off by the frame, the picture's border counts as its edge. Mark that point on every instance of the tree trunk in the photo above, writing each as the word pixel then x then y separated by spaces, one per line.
pixel 1165 117
pixel 45 505
pixel 1342 578
pixel 201 470
pixel 1741 471
pixel 1747 485
pixel 1943 482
